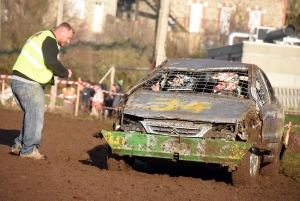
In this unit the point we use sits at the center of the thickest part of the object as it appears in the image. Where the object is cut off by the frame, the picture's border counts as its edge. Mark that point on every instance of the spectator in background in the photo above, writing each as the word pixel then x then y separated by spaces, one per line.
pixel 68 94
pixel 111 109
pixel 86 96
pixel 117 88
pixel 107 102
pixel 97 101
pixel 81 88
pixel 7 93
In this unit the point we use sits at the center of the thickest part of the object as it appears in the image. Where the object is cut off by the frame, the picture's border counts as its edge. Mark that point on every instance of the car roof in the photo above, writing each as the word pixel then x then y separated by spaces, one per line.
pixel 195 63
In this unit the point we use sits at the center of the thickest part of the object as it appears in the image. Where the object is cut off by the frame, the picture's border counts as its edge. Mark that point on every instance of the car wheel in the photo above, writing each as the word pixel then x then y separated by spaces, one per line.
pixel 274 167
pixel 277 161
pixel 248 170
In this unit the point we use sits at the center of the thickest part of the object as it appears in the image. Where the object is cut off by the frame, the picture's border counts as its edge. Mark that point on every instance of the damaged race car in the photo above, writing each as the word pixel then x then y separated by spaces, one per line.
pixel 202 110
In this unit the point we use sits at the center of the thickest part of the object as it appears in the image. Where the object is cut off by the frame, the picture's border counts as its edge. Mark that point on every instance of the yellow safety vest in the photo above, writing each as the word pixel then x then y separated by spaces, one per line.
pixel 31 61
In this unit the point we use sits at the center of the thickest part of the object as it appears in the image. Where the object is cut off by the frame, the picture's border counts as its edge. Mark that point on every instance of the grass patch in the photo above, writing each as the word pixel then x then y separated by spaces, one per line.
pixel 59 101
pixel 295 120
pixel 291 160
pixel 290 165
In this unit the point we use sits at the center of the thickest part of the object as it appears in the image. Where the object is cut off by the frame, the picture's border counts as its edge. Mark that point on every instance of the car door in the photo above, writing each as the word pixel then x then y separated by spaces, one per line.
pixel 272 111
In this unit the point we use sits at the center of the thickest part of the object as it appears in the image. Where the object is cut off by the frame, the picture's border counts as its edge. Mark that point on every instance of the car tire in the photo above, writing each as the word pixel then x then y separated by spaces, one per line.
pixel 274 167
pixel 277 161
pixel 248 170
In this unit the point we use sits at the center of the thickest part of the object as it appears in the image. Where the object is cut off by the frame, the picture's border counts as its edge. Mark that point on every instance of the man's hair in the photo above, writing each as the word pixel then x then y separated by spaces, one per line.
pixel 154 82
pixel 65 25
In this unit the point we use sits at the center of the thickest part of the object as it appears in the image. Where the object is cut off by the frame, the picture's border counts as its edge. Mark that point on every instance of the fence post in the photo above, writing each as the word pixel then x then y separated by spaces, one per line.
pixel 13 102
pixel 77 97
pixel 112 76
pixel 2 93
pixel 298 99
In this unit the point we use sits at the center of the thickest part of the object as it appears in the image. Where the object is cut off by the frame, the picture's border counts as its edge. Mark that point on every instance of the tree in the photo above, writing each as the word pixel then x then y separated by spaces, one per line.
pixel 293 15
pixel 20 19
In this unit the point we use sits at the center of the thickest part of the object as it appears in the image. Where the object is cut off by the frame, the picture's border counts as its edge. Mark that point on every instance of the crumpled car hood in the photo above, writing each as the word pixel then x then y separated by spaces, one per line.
pixel 186 106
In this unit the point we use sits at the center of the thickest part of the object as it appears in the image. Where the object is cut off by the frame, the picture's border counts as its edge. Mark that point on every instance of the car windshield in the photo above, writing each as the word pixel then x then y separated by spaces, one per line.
pixel 221 82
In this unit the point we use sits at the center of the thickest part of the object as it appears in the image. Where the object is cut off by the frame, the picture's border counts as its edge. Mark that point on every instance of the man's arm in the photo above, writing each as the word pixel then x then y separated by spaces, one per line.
pixel 50 52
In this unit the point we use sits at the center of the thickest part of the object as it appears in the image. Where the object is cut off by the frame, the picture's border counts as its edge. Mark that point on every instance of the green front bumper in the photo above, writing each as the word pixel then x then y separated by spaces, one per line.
pixel 169 147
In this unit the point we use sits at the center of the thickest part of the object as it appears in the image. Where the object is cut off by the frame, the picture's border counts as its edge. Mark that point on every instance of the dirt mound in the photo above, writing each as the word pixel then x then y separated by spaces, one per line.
pixel 76 169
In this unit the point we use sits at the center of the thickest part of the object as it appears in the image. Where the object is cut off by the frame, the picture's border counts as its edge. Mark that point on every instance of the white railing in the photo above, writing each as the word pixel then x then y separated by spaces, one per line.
pixel 289 98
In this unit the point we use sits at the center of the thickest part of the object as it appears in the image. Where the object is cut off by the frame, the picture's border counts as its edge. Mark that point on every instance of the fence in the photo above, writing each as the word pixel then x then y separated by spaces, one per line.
pixel 6 89
pixel 289 98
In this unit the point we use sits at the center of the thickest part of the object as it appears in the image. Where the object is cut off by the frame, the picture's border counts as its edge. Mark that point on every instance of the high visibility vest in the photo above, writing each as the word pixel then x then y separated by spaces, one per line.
pixel 98 99
pixel 69 94
pixel 31 61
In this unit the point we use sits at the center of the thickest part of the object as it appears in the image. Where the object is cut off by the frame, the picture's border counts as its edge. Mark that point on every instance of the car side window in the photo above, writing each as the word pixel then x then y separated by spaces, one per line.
pixel 268 85
pixel 262 86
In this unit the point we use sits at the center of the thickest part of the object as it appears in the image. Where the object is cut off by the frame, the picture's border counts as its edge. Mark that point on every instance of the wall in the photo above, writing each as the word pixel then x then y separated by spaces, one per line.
pixel 280 62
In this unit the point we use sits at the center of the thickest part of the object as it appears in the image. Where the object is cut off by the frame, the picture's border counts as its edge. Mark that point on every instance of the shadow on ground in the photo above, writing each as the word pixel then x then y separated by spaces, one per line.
pixel 8 136
pixel 99 158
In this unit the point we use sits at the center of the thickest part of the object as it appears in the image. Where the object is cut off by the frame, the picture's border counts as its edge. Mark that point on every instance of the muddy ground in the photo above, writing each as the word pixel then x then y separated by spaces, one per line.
pixel 76 170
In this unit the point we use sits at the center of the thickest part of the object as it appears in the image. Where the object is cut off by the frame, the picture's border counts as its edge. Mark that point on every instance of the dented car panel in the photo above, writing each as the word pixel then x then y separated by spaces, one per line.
pixel 191 107
pixel 273 124
pixel 201 110
pixel 270 107
pixel 170 147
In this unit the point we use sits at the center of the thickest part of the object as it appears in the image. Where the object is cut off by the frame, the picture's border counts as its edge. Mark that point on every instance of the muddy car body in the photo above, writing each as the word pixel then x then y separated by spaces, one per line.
pixel 195 119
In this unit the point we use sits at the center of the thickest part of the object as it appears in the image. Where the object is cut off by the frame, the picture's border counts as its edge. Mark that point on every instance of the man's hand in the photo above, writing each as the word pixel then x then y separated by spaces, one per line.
pixel 70 73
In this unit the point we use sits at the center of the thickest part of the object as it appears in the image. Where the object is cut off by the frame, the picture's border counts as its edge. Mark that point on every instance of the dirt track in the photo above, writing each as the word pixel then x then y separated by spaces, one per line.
pixel 75 170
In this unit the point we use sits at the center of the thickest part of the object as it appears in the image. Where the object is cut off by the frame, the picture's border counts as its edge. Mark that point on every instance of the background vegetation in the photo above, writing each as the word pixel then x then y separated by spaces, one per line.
pixel 123 42
pixel 290 165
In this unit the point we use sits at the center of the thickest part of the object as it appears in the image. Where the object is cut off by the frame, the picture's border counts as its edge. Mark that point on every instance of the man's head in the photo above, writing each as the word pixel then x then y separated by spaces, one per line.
pixel 119 84
pixel 113 88
pixel 226 81
pixel 221 85
pixel 63 33
pixel 155 86
pixel 176 80
pixel 97 86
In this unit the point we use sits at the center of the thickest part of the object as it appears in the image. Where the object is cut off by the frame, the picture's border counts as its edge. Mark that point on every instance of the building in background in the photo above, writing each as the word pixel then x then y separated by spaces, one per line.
pixel 276 51
pixel 206 23
pixel 94 12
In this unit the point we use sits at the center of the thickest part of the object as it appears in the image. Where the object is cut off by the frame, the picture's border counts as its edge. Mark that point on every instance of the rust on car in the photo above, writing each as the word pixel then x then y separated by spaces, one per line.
pixel 200 110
